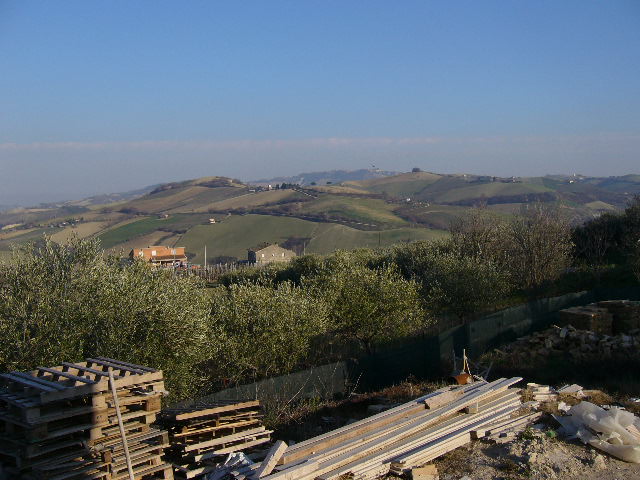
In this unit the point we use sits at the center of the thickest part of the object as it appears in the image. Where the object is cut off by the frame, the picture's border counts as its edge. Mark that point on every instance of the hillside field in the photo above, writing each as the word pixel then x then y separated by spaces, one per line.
pixel 365 209
pixel 235 234
pixel 129 231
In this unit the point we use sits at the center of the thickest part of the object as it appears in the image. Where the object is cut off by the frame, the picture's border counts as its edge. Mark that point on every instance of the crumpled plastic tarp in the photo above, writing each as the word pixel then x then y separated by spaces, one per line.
pixel 233 462
pixel 614 431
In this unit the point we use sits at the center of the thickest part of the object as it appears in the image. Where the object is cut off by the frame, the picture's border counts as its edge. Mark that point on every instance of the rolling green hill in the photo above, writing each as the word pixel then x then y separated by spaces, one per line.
pixel 403 185
pixel 235 234
pixel 378 210
pixel 178 223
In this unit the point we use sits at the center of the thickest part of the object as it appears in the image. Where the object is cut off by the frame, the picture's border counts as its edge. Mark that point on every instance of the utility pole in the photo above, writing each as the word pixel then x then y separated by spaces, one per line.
pixel 205 256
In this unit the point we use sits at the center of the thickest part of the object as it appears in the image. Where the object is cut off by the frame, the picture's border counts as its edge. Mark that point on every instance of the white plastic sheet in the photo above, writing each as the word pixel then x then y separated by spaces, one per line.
pixel 614 431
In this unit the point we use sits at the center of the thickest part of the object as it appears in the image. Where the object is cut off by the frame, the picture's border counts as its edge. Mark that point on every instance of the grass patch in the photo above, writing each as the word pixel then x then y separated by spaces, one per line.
pixel 183 199
pixel 124 233
pixel 487 190
pixel 82 230
pixel 313 416
pixel 252 200
pixel 233 235
pixel 357 209
pixel 32 235
pixel 340 237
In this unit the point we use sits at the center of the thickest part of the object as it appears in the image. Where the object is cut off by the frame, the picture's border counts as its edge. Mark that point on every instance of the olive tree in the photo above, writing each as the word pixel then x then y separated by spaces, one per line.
pixel 371 305
pixel 257 330
pixel 479 234
pixel 596 239
pixel 64 302
pixel 452 277
pixel 463 285
pixel 635 261
pixel 538 246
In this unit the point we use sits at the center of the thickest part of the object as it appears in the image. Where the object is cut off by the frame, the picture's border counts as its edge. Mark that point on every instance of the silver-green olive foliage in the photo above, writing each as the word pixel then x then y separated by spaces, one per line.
pixel 65 302
pixel 370 305
pixel 451 280
pixel 258 330
pixel 635 261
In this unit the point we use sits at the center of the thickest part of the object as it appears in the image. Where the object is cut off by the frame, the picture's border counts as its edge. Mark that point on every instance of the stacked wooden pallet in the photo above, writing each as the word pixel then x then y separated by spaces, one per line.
pixel 398 439
pixel 64 422
pixel 201 436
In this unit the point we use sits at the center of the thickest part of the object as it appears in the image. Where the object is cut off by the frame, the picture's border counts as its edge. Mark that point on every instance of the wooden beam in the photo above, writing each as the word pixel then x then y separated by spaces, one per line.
pixel 116 366
pixel 357 429
pixel 27 383
pixel 130 365
pixel 304 470
pixel 123 434
pixel 417 442
pixel 66 375
pixel 36 382
pixel 84 368
pixel 493 396
pixel 267 465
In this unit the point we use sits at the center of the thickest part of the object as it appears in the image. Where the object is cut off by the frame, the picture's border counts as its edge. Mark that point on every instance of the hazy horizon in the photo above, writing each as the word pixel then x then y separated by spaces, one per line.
pixel 52 198
pixel 104 98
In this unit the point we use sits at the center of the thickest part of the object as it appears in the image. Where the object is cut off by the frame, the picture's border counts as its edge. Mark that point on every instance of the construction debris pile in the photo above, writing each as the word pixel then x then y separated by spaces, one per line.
pixel 200 437
pixel 604 330
pixel 69 422
pixel 396 440
pixel 572 344
pixel 611 428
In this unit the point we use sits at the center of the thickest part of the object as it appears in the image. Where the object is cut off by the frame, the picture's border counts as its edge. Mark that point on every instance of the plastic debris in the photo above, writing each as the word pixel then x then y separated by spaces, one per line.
pixel 235 461
pixel 614 431
pixel 563 407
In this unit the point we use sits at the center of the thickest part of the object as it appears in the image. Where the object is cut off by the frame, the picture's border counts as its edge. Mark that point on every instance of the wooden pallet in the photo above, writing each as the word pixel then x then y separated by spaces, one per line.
pixel 91 425
pixel 29 413
pixel 62 422
pixel 202 435
pixel 73 380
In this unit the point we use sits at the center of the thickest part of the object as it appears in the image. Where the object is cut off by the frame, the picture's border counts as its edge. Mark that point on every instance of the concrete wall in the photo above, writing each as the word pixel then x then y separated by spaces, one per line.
pixel 319 382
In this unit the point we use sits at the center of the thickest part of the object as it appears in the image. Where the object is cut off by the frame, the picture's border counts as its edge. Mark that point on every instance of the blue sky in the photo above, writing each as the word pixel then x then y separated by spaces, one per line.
pixel 106 96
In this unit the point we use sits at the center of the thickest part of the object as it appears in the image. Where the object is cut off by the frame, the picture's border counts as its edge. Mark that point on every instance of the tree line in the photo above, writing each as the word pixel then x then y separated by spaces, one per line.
pixel 64 302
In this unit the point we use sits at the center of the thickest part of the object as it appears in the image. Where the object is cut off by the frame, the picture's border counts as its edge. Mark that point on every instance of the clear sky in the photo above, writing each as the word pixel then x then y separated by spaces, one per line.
pixel 104 96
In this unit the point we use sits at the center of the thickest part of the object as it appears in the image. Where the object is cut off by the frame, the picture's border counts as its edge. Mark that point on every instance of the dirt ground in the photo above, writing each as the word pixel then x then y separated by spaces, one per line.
pixel 533 456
